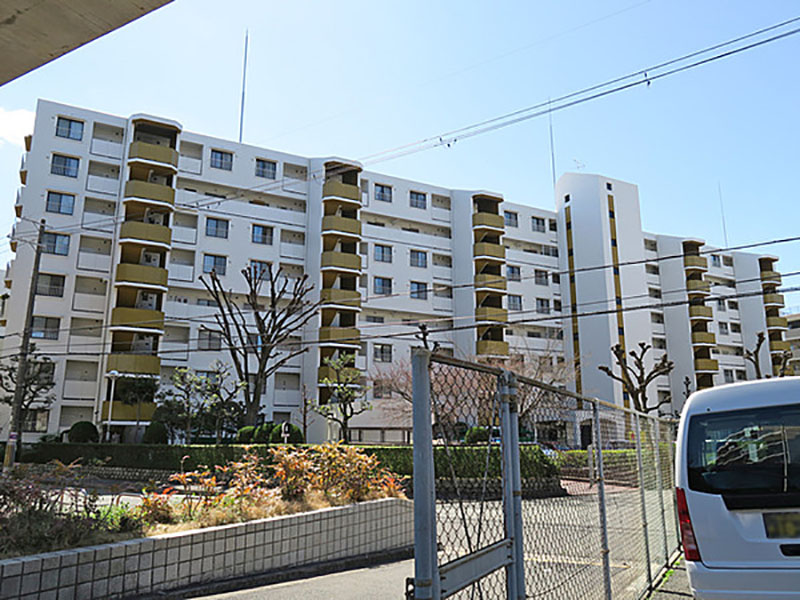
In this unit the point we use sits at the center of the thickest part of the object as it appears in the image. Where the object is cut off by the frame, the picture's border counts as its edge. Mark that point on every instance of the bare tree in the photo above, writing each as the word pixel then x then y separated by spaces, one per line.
pixel 348 395
pixel 306 416
pixel 753 355
pixel 274 309
pixel 37 384
pixel 687 387
pixel 636 378
pixel 224 410
pixel 394 383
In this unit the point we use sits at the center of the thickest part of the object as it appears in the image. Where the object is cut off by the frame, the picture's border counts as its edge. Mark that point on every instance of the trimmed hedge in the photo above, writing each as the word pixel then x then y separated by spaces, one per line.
pixel 82 432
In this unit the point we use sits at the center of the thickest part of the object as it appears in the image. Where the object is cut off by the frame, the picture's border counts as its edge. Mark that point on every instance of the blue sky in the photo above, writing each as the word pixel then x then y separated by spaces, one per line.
pixel 352 78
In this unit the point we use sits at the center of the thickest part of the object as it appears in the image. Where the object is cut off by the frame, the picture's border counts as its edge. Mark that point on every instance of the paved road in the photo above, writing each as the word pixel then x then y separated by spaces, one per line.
pixel 375 583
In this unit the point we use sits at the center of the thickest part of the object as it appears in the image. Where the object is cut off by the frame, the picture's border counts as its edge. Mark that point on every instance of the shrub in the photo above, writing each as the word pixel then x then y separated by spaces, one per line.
pixel 348 473
pixel 262 433
pixel 156 433
pixel 477 435
pixel 83 432
pixel 295 434
pixel 245 434
pixel 294 471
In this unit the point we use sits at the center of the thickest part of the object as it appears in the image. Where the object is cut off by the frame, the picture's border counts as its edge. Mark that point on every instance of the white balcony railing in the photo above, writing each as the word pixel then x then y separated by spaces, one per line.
pixel 92 261
pixel 187 235
pixel 181 272
pixel 106 148
pixel 106 185
pixel 89 302
pixel 79 389
pixel 188 164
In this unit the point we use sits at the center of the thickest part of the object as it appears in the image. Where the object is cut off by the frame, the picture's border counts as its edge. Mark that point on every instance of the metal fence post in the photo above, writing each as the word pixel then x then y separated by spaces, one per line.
pixel 426 568
pixel 638 431
pixel 659 483
pixel 519 548
pixel 601 492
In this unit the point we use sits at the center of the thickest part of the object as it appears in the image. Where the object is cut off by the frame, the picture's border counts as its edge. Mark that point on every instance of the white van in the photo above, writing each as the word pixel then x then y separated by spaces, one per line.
pixel 738 490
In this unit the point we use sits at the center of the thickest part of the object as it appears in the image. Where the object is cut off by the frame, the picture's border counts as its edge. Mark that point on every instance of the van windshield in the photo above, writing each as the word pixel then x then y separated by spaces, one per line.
pixel 751 451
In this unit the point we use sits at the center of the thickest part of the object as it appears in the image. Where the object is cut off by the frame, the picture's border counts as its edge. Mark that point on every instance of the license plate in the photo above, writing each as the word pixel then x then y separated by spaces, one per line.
pixel 782 525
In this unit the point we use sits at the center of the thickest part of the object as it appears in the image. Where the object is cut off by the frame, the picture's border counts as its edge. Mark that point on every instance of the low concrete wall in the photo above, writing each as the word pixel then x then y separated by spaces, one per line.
pixel 148 565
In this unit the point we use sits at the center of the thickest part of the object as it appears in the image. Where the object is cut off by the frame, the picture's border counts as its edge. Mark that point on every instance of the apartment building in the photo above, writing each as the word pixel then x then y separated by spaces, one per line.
pixel 793 338
pixel 137 209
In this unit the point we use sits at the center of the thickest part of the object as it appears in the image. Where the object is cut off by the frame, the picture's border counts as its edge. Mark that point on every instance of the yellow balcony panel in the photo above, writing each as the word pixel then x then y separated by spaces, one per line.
pixel 332 259
pixel 700 313
pixel 146 232
pixel 136 318
pixel 337 189
pixel 773 299
pixel 133 364
pixel 694 286
pixel 18 210
pixel 777 323
pixel 347 374
pixel 144 274
pixel 491 313
pixel 128 412
pixel 145 190
pixel 486 280
pixel 28 142
pixel 337 296
pixel 491 348
pixel 695 263
pixel 770 277
pixel 487 249
pixel 341 224
pixel 704 338
pixel 23 176
pixel 153 153
pixel 779 346
pixel 340 335
pixel 13 244
pixel 706 365
pixel 488 220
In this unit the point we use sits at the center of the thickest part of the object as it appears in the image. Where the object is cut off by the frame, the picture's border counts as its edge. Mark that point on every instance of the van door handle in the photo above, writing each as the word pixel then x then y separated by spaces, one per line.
pixel 790 549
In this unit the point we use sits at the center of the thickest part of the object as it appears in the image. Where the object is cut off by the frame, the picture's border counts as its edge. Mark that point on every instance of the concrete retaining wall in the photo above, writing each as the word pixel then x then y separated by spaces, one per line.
pixel 148 565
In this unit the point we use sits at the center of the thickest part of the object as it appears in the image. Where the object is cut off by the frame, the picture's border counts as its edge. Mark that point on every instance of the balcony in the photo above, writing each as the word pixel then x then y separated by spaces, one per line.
pixel 181 272
pixel 94 261
pixel 777 323
pixel 700 313
pixel 89 302
pixel 326 372
pixel 335 223
pixel 106 148
pixel 340 335
pixel 491 348
pixel 128 412
pixel 773 300
pixel 771 277
pixel 695 263
pixel 695 286
pixel 134 364
pixel 189 164
pixel 341 260
pixel 706 365
pixel 482 220
pixel 489 250
pixel 154 192
pixel 350 298
pixel 104 185
pixel 76 389
pixel 342 191
pixel 778 346
pixel 185 235
pixel 137 318
pixel 703 338
pixel 490 313
pixel 145 232
pixel 141 274
pixel 23 170
pixel 153 153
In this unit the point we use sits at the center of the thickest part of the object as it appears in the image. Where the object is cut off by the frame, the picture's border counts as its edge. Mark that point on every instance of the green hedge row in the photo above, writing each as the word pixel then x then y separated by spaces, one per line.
pixel 466 461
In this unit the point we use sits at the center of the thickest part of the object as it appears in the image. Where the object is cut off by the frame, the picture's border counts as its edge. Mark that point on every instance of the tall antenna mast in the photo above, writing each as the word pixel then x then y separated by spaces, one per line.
pixel 244 84
pixel 722 212
pixel 552 150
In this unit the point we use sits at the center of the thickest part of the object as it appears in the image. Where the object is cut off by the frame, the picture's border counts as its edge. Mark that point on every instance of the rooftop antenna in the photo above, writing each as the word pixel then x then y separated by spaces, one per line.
pixel 552 151
pixel 722 212
pixel 244 84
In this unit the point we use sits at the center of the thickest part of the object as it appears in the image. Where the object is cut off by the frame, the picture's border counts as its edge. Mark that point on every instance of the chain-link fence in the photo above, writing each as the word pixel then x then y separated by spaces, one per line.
pixel 535 492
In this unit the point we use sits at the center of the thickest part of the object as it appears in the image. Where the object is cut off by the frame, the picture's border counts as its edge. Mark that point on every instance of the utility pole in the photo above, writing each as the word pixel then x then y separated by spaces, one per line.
pixel 15 429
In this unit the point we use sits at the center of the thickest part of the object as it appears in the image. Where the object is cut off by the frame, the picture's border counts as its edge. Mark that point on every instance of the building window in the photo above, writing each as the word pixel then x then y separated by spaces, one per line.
pixel 64 165
pixel 419 290
pixel 55 243
pixel 222 160
pixel 514 302
pixel 511 219
pixel 214 263
pixel 69 128
pixel 543 306
pixel 723 328
pixel 550 251
pixel 418 200
pixel 441 290
pixel 654 292
pixel 217 228
pixel 721 305
pixel 556 277
pixel 383 253
pixel 651 269
pixel 45 328
pixel 736 328
pixel 741 375
pixel 383 193
pixel 540 277
pixel 733 305
pixel 659 343
pixel 262 235
pixel 266 168
pixel 381 390
pixel 50 285
pixel 34 420
pixel 419 259
pixel 557 305
pixel 656 318
pixel 60 203
pixel 538 224
pixel 727 261
pixel 258 268
pixel 382 286
pixel 382 353
pixel 513 273
pixel 553 224
pixel 209 340
pixel 728 374
pixel 716 261
pixel 651 245
pixel 374 319
pixel 609 187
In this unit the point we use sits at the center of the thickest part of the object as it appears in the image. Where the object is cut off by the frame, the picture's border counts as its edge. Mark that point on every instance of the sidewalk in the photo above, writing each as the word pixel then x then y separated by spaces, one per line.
pixel 676 585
